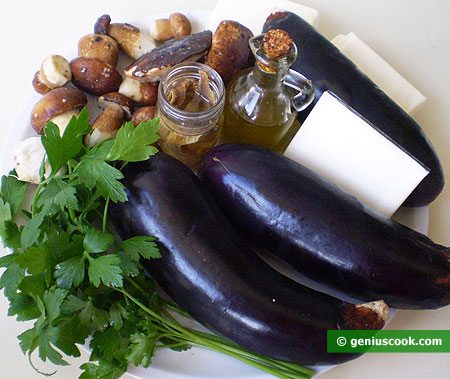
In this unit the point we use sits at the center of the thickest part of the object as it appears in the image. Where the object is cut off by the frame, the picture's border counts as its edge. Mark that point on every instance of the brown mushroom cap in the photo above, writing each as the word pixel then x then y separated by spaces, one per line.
pixel 117 98
pixel 144 114
pixel 99 46
pixel 39 86
pixel 102 24
pixel 161 30
pixel 94 76
pixel 54 103
pixel 180 25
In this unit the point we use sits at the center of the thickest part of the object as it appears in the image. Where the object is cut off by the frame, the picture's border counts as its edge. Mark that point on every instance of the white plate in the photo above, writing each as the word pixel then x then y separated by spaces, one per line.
pixel 194 363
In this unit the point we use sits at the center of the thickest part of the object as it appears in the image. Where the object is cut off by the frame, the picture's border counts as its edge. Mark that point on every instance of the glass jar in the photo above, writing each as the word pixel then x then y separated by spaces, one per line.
pixel 191 98
pixel 262 103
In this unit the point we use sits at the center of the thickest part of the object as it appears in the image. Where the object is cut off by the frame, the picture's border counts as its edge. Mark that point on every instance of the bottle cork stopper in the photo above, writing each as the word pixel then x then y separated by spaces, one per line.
pixel 277 43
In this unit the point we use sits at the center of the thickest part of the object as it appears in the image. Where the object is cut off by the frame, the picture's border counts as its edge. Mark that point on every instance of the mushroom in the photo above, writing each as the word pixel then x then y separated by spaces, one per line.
pixel 160 30
pixel 28 157
pixel 58 106
pixel 176 26
pixel 140 92
pixel 94 76
pixel 151 66
pixel 39 86
pixel 132 40
pixel 119 99
pixel 144 114
pixel 99 46
pixel 105 125
pixel 180 25
pixel 55 72
pixel 102 24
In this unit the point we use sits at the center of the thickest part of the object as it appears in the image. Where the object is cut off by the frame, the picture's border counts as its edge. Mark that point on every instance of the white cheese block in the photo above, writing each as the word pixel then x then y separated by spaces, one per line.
pixel 253 13
pixel 337 143
pixel 380 72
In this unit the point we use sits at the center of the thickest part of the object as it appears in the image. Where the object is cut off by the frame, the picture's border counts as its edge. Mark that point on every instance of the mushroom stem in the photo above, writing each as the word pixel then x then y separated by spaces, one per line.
pixel 62 120
pixel 105 125
pixel 140 92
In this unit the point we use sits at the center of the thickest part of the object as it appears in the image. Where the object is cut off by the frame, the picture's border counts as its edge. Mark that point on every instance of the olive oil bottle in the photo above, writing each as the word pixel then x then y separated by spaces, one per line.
pixel 262 103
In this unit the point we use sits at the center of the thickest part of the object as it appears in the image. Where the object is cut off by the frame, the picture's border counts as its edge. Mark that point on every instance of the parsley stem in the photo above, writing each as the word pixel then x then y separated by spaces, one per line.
pixel 218 344
pixel 105 213
pixel 174 307
pixel 172 345
pixel 39 189
pixel 294 368
pixel 279 373
pixel 69 167
pixel 37 194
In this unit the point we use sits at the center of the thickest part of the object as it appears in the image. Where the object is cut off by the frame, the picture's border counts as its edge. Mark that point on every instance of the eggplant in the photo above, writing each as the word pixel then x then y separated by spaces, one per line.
pixel 329 70
pixel 323 232
pixel 211 273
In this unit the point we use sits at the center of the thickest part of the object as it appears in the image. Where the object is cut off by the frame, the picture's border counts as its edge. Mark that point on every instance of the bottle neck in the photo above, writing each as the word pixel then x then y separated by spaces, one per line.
pixel 269 80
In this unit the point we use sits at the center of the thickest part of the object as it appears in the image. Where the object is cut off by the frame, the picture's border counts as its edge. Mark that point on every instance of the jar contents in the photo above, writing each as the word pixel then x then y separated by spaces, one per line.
pixel 190 108
pixel 259 108
pixel 190 96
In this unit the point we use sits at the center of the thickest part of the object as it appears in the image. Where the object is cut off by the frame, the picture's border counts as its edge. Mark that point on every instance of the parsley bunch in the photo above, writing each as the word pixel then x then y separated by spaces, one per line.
pixel 68 272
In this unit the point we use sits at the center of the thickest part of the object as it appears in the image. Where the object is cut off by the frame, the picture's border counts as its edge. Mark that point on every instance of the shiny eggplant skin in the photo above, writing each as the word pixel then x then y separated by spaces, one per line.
pixel 323 232
pixel 209 271
pixel 328 69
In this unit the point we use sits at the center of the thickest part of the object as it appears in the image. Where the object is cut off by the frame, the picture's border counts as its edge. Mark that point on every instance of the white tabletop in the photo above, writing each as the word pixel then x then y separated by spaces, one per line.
pixel 413 36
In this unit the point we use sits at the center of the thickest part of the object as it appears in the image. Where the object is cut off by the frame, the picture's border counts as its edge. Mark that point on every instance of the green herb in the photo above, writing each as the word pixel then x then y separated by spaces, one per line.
pixel 67 271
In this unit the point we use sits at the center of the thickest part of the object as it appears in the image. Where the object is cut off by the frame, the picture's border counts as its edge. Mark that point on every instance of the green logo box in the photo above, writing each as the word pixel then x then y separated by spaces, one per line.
pixel 388 341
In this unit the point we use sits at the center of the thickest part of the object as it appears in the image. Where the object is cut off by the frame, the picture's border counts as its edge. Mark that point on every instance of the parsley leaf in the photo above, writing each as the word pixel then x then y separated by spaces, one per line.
pixel 53 299
pixel 97 173
pixel 73 304
pixel 61 149
pixel 106 269
pixel 5 218
pixel 70 333
pixel 11 279
pixel 28 340
pixel 70 272
pixel 141 245
pixel 91 314
pixel 31 232
pixel 129 266
pixel 24 306
pixel 33 285
pixel 46 350
pixel 106 342
pixel 104 370
pixel 13 192
pixel 10 234
pixel 35 259
pixel 142 348
pixel 116 314
pixel 96 241
pixel 60 193
pixel 133 144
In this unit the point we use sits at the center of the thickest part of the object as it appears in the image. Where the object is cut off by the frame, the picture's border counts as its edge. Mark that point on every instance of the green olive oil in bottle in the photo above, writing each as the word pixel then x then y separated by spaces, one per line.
pixel 262 103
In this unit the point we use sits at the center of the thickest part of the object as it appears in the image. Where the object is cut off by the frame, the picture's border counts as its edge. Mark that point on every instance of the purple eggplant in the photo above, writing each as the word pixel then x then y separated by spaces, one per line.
pixel 328 69
pixel 211 273
pixel 323 232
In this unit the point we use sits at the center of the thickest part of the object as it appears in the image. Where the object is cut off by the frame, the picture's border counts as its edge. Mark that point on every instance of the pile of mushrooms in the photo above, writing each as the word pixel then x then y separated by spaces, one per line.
pixel 64 86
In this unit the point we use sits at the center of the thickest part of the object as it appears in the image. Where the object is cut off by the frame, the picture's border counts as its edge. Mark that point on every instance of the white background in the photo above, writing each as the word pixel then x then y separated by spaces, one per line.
pixel 414 36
